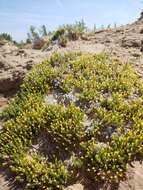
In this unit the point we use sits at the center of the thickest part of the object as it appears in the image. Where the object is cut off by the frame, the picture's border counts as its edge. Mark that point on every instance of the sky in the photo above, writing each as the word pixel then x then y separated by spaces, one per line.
pixel 16 16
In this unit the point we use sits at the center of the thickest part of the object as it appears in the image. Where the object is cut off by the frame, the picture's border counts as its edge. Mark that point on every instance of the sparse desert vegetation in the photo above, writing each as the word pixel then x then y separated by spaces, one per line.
pixel 63 34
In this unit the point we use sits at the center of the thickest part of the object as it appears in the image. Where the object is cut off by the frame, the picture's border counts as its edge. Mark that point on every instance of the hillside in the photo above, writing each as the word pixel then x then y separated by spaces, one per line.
pixel 124 44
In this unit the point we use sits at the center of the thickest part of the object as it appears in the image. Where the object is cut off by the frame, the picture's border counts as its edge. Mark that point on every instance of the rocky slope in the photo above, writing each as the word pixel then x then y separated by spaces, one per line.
pixel 125 43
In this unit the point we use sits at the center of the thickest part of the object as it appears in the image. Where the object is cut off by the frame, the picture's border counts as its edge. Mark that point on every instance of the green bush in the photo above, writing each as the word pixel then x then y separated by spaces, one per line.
pixel 65 126
pixel 60 32
pixel 69 32
pixel 38 173
pixel 95 129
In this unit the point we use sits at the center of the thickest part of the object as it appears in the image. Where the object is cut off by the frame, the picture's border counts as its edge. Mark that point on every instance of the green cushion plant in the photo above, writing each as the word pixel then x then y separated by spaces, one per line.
pixel 95 128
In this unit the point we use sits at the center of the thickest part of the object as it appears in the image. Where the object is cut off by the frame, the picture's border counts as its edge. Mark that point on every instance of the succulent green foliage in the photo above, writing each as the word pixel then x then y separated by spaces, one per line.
pixel 38 173
pixel 98 118
pixel 65 127
pixel 26 122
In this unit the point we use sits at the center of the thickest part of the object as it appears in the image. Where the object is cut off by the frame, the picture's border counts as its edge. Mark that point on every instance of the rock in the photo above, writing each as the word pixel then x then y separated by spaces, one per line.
pixel 75 187
pixel 3 102
pixel 38 43
pixel 141 46
pixel 66 99
pixel 14 64
pixel 134 178
pixel 2 42
pixel 3 63
pixel 141 31
pixel 48 48
pixel 8 48
pixel 119 30
pixel 136 54
pixel 21 52
pixel 84 37
pixel 72 36
pixel 130 42
pixel 29 64
pixel 50 99
pixel 11 81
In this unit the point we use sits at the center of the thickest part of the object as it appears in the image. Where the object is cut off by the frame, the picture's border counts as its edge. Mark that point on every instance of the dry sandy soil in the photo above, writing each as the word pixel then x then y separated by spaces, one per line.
pixel 124 43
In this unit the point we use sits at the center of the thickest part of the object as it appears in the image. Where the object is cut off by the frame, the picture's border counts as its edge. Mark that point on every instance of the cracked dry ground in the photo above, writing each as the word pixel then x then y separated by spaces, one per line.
pixel 122 43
